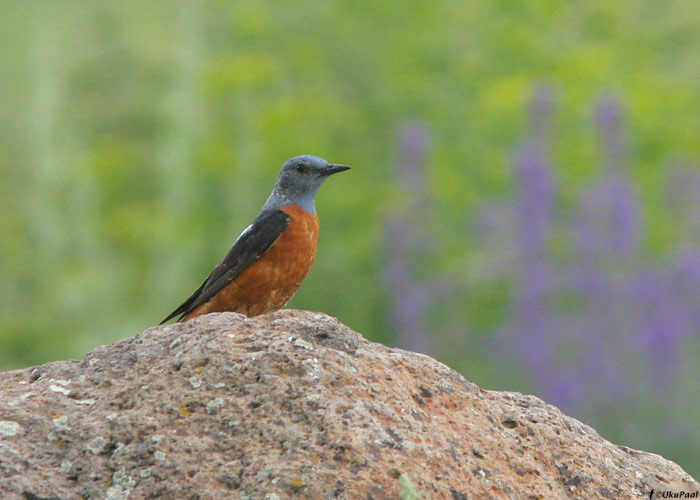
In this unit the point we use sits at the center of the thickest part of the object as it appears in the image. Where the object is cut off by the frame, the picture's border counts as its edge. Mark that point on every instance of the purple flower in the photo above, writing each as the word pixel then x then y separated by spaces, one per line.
pixel 404 240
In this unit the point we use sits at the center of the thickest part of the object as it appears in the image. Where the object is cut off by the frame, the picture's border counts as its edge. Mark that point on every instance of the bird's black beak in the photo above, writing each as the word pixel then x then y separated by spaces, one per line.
pixel 334 169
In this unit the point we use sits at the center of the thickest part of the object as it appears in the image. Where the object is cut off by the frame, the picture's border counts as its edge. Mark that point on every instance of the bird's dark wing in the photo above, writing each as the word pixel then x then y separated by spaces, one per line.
pixel 253 242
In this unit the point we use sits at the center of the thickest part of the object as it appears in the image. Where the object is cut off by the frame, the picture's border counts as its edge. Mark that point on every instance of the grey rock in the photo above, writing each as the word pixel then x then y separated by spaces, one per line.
pixel 293 404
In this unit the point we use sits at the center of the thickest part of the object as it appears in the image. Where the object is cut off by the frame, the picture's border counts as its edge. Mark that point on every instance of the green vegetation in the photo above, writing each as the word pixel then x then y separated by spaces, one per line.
pixel 408 488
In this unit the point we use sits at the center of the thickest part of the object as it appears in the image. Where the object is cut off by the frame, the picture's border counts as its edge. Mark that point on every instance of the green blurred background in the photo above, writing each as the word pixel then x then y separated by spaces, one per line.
pixel 138 138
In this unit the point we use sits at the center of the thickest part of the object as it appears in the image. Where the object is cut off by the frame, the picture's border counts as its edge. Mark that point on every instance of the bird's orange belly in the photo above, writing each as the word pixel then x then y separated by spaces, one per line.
pixel 269 282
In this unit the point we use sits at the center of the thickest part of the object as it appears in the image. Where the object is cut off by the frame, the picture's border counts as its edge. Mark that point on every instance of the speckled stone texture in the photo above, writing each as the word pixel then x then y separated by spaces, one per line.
pixel 292 404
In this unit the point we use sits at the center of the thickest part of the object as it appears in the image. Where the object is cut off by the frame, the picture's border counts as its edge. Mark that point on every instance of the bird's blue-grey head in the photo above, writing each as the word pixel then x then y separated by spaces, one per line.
pixel 299 182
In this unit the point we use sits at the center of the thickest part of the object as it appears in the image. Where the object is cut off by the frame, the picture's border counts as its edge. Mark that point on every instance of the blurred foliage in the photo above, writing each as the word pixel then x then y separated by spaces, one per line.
pixel 139 138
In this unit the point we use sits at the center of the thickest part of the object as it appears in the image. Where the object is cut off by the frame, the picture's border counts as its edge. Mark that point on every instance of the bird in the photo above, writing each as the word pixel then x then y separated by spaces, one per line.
pixel 269 260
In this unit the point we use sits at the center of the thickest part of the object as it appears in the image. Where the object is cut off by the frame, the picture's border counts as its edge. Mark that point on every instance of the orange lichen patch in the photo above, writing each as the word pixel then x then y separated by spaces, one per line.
pixel 269 283
pixel 185 410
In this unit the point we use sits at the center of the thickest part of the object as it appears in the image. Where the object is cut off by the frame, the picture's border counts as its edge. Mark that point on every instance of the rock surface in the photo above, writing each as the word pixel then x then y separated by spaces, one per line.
pixel 292 405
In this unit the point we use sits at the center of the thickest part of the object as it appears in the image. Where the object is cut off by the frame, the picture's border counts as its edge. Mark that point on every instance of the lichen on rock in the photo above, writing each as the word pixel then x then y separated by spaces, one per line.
pixel 292 404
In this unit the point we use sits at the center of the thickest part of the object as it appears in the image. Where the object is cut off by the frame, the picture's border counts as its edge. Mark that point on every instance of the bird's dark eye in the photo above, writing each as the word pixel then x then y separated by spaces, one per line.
pixel 301 168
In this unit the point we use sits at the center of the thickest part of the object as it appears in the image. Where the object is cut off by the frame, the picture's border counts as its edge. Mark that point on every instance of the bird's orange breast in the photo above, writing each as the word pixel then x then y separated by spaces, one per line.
pixel 269 282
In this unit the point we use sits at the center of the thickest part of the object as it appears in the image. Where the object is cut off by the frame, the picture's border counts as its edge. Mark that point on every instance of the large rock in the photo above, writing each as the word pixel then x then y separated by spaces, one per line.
pixel 292 405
